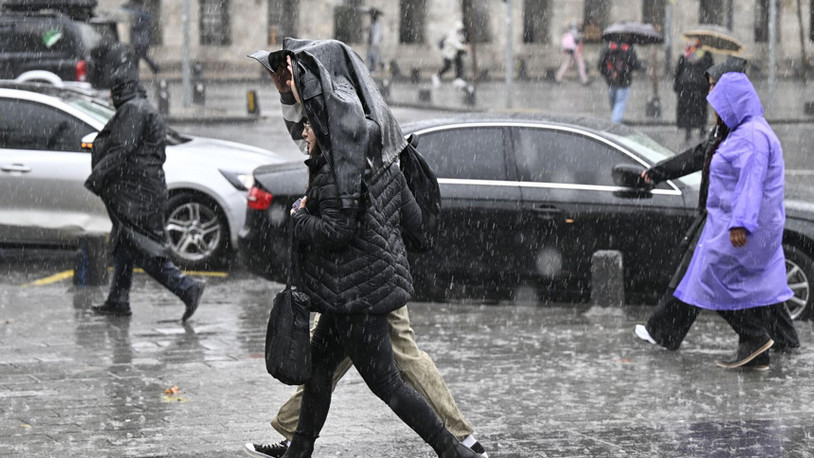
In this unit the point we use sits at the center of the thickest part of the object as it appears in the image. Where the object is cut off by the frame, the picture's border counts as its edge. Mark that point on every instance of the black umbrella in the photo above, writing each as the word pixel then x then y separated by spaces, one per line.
pixel 633 32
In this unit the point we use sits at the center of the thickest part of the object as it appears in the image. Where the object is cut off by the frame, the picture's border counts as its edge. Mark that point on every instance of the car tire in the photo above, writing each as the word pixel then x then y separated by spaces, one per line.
pixel 196 231
pixel 800 274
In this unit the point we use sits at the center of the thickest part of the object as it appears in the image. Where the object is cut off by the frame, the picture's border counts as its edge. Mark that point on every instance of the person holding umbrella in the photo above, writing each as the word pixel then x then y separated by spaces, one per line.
pixel 616 65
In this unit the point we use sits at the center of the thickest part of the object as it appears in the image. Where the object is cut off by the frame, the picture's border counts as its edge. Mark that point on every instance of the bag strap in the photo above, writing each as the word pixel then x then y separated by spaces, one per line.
pixel 293 260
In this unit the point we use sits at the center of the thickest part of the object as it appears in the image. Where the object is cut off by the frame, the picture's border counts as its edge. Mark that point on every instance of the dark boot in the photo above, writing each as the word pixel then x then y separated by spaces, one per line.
pixel 301 447
pixel 447 446
pixel 192 297
pixel 112 309
pixel 747 351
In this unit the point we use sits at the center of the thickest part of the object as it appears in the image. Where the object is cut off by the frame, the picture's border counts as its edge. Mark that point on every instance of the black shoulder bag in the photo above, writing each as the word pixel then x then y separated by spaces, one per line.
pixel 288 340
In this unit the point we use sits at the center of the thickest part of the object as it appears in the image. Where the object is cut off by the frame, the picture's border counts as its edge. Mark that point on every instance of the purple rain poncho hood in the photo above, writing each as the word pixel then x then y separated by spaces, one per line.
pixel 745 190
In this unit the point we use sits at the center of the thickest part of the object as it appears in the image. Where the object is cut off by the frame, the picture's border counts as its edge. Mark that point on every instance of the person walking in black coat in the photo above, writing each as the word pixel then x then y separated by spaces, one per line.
pixel 691 88
pixel 672 319
pixel 127 159
pixel 348 230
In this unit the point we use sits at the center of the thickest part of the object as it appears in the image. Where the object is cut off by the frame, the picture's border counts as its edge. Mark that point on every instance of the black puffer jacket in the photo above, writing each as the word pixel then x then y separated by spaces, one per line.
pixel 356 262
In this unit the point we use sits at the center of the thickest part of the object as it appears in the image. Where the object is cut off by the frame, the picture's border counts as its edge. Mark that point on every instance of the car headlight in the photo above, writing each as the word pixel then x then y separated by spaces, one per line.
pixel 242 181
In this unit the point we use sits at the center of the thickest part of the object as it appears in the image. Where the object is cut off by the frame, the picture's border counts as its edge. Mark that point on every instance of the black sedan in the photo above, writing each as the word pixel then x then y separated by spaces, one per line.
pixel 527 201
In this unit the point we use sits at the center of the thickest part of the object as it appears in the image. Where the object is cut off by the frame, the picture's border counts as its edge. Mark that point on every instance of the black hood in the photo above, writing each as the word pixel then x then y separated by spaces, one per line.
pixel 353 125
pixel 730 65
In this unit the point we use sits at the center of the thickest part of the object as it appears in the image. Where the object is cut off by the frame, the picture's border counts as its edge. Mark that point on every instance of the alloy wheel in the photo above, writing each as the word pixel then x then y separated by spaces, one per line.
pixel 194 231
pixel 799 283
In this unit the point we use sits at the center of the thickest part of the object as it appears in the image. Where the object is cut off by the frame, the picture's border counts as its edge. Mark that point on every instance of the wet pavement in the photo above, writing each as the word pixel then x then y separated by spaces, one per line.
pixel 536 381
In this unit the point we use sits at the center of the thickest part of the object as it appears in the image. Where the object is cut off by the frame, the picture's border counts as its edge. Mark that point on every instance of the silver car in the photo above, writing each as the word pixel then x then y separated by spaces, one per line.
pixel 43 166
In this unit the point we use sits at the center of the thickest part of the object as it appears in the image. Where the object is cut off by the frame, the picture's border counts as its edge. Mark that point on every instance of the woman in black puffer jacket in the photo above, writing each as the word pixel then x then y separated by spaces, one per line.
pixel 355 270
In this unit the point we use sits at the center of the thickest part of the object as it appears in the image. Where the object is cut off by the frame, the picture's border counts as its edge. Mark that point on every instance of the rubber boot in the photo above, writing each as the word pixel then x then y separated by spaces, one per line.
pixel 447 446
pixel 301 447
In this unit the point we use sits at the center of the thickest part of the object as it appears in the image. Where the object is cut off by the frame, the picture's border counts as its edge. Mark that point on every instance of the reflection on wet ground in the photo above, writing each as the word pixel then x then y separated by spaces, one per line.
pixel 535 381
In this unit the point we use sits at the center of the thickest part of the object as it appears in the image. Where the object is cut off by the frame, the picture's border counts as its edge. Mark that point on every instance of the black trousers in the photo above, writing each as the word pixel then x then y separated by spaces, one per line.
pixel 672 320
pixel 366 340
pixel 141 53
pixel 161 269
pixel 459 66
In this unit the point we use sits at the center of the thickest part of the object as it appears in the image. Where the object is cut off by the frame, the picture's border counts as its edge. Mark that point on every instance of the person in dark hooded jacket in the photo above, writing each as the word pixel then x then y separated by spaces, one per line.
pixel 127 174
pixel 672 319
pixel 691 87
pixel 348 227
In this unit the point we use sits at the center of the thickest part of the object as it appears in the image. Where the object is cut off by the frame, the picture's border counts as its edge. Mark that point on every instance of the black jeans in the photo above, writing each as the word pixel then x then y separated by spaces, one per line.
pixel 161 269
pixel 672 320
pixel 141 53
pixel 366 340
pixel 459 66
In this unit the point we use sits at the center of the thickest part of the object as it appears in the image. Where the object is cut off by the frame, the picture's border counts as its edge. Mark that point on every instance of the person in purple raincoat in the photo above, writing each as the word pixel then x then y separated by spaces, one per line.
pixel 738 267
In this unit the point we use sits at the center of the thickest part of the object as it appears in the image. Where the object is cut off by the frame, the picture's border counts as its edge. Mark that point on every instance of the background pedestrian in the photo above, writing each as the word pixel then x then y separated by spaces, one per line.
pixel 571 46
pixel 616 64
pixel 374 41
pixel 691 87
pixel 140 35
pixel 453 48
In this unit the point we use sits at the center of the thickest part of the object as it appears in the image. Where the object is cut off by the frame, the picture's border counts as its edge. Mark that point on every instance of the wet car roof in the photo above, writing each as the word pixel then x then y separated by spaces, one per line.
pixel 594 125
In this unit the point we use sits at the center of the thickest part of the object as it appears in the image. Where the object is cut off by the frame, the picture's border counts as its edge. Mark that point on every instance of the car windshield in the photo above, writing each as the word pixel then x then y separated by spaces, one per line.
pixel 653 152
pixel 103 112
pixel 96 110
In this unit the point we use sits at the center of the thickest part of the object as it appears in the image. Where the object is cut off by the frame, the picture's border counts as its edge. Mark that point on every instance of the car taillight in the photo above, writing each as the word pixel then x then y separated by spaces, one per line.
pixel 259 199
pixel 81 70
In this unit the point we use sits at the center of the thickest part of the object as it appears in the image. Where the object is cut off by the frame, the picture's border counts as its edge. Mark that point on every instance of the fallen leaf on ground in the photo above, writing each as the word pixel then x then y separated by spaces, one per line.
pixel 173 390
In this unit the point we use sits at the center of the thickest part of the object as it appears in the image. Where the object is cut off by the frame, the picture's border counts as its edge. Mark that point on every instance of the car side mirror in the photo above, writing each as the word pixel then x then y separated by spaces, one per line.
pixel 87 141
pixel 630 177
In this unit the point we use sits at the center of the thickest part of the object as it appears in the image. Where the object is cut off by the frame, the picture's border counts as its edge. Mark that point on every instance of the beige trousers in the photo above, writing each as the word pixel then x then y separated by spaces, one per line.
pixel 417 369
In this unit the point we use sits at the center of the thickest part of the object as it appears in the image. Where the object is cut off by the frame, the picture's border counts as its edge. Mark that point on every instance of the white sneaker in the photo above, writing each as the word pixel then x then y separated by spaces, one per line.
pixel 436 81
pixel 641 333
pixel 458 82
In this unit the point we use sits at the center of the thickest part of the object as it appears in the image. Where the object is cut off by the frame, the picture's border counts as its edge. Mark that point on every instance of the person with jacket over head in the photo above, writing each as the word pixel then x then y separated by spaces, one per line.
pixel 691 88
pixel 348 227
pixel 672 318
pixel 416 366
pixel 127 160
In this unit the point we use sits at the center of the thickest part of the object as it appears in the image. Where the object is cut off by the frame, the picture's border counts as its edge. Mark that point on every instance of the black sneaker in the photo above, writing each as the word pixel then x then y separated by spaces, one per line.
pixel 747 351
pixel 759 364
pixel 478 448
pixel 112 310
pixel 265 450
pixel 192 297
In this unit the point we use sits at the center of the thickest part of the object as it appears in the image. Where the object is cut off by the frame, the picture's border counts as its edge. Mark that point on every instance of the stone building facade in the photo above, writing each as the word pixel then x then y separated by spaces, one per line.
pixel 222 32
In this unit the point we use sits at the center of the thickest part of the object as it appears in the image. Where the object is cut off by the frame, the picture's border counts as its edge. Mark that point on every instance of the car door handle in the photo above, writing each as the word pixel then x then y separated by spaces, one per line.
pixel 21 168
pixel 546 212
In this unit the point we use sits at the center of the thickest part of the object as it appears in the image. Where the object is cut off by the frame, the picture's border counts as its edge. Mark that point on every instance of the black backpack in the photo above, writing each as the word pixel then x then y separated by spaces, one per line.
pixel 424 185
pixel 616 66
